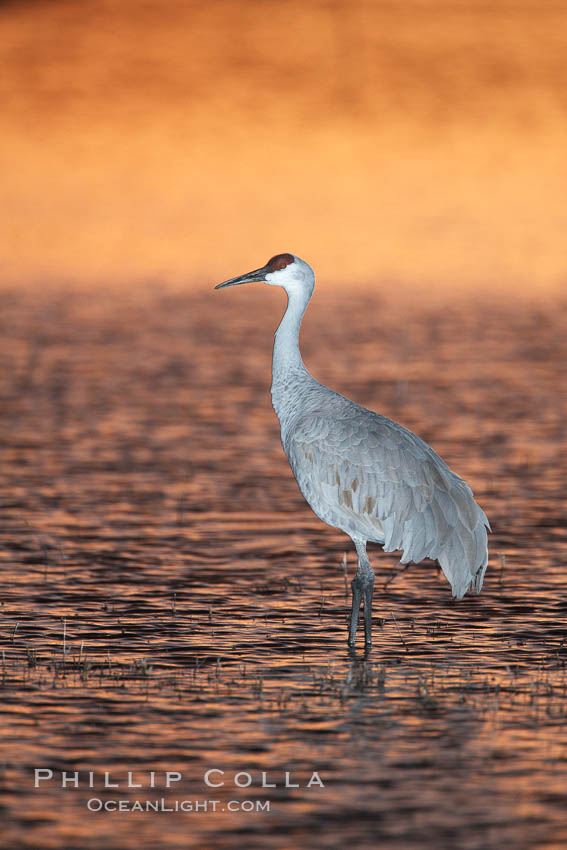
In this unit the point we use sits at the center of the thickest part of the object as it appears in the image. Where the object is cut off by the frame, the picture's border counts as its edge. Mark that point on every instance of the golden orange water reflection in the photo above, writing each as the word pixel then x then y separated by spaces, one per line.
pixel 169 601
pixel 419 143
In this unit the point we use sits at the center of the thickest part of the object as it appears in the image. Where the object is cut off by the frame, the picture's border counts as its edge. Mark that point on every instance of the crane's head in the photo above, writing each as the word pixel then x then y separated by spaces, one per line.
pixel 285 270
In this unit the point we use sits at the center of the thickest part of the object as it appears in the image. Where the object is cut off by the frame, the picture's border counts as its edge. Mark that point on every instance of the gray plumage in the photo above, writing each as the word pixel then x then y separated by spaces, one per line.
pixel 364 473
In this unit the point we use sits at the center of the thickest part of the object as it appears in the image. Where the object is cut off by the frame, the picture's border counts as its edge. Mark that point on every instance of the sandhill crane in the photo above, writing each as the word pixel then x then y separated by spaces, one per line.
pixel 360 471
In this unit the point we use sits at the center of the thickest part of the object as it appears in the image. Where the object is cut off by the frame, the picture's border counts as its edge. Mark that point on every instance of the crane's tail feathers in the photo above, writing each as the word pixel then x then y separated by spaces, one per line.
pixel 464 559
pixel 460 547
pixel 479 577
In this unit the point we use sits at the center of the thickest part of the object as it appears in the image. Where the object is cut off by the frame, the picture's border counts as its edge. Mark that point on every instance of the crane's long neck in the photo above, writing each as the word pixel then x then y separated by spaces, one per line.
pixel 288 372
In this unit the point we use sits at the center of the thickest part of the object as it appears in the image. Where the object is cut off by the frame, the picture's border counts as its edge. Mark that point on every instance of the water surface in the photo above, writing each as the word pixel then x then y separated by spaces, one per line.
pixel 169 602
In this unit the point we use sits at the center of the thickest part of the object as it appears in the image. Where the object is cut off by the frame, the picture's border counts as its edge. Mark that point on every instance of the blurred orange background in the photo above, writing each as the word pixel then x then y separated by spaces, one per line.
pixel 414 143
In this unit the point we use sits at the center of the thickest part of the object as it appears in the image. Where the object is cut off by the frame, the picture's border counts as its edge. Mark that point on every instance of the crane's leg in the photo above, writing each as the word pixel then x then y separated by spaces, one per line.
pixel 362 589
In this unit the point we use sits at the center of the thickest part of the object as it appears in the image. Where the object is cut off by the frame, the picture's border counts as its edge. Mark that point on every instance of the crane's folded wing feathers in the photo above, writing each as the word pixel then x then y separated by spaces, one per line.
pixel 371 476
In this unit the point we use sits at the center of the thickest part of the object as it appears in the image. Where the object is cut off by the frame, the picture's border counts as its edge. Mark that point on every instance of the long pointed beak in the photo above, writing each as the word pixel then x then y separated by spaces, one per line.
pixel 257 276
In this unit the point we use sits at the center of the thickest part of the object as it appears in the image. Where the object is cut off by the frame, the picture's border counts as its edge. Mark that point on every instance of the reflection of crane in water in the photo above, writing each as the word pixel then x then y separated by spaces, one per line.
pixel 361 472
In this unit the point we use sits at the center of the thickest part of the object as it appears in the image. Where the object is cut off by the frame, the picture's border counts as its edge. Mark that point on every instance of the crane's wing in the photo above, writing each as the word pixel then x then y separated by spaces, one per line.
pixel 369 475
